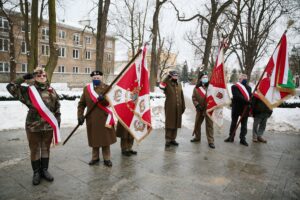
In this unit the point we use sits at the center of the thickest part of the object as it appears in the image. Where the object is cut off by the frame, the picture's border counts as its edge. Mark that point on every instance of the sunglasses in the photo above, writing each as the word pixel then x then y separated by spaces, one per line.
pixel 41 75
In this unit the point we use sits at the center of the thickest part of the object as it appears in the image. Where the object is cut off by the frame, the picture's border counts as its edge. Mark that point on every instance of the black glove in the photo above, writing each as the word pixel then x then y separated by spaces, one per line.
pixel 80 120
pixel 58 124
pixel 199 108
pixel 28 76
pixel 100 97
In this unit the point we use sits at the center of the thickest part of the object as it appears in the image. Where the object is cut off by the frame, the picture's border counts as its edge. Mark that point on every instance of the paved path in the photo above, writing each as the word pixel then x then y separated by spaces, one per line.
pixel 190 171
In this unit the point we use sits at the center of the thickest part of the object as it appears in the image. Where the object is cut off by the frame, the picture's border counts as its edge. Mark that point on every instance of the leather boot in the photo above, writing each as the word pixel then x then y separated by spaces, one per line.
pixel 45 174
pixel 36 167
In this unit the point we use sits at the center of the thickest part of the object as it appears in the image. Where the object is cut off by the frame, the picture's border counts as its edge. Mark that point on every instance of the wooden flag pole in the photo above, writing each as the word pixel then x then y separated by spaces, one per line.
pixel 104 93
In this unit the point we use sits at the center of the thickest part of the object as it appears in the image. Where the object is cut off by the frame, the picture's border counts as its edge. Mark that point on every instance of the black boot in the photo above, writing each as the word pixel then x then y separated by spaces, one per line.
pixel 36 167
pixel 45 174
pixel 229 139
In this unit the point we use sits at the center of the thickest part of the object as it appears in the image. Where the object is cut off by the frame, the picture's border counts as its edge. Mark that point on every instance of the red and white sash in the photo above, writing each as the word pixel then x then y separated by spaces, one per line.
pixel 243 90
pixel 110 121
pixel 44 112
pixel 201 91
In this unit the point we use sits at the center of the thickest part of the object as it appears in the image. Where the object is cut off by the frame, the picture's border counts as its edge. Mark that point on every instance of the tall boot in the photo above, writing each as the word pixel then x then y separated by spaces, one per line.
pixel 36 167
pixel 45 174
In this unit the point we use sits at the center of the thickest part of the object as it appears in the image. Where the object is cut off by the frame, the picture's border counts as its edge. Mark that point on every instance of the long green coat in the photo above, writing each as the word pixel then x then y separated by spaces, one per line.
pixel 98 135
pixel 174 104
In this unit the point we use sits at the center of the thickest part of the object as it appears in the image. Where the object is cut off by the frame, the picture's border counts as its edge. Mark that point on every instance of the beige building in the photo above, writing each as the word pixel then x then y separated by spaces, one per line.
pixel 77 51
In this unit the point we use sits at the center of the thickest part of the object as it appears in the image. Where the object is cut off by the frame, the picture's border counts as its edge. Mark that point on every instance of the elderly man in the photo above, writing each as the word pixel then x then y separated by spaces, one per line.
pixel 241 95
pixel 100 129
pixel 174 107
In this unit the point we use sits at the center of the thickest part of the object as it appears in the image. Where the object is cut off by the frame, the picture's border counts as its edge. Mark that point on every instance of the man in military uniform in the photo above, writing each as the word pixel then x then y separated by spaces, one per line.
pixel 199 101
pixel 126 140
pixel 98 132
pixel 174 107
pixel 241 95
pixel 39 131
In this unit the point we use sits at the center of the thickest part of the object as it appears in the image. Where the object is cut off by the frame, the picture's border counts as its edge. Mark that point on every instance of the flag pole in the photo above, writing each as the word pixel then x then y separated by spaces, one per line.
pixel 106 91
pixel 290 23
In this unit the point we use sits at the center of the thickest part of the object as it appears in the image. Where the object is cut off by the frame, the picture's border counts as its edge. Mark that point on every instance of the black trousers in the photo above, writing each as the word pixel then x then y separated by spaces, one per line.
pixel 234 120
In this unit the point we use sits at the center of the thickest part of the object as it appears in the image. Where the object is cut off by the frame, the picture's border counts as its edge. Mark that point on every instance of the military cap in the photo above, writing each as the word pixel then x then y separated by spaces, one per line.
pixel 173 73
pixel 95 73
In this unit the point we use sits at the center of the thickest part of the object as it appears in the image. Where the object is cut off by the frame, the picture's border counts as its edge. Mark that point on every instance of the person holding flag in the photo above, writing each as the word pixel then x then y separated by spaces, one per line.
pixel 261 113
pixel 174 107
pixel 200 103
pixel 241 95
pixel 42 121
pixel 274 86
pixel 126 140
pixel 100 122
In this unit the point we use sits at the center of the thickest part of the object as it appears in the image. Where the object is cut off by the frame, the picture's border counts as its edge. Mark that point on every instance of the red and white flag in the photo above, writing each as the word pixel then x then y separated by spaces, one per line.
pixel 130 98
pixel 277 83
pixel 217 93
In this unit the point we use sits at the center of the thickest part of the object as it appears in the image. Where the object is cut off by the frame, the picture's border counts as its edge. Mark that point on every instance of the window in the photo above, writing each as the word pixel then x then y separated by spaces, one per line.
pixel 3 44
pixel 4 67
pixel 61 69
pixel 4 24
pixel 45 50
pixel 24 67
pixel 23 47
pixel 87 70
pixel 76 39
pixel 23 27
pixel 108 57
pixel 61 34
pixel 45 33
pixel 75 53
pixel 109 44
pixel 75 70
pixel 88 55
pixel 88 40
pixel 62 52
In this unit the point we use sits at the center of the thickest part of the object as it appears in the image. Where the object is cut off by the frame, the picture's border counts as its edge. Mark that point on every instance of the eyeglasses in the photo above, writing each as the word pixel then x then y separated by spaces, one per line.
pixel 41 75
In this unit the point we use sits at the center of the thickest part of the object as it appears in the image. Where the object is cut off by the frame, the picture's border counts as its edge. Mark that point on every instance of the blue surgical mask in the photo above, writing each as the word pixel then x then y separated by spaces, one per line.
pixel 96 82
pixel 244 81
pixel 204 80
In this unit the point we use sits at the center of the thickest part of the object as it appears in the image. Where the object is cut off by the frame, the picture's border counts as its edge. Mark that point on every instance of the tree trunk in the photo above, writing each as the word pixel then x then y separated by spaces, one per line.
pixel 208 42
pixel 33 62
pixel 154 63
pixel 12 53
pixel 101 33
pixel 51 65
pixel 25 13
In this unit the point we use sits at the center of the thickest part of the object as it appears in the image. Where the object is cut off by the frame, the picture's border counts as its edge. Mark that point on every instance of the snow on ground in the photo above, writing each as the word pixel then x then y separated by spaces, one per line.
pixel 282 119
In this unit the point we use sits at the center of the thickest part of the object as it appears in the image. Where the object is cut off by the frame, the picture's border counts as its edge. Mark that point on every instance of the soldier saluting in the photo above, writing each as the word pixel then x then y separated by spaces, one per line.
pixel 42 121
pixel 174 107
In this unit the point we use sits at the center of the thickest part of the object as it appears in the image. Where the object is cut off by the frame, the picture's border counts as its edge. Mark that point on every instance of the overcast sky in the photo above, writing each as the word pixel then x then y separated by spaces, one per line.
pixel 75 10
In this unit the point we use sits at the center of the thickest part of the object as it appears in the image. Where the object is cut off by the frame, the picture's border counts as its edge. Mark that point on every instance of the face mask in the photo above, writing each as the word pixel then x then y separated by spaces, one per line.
pixel 96 82
pixel 244 81
pixel 204 80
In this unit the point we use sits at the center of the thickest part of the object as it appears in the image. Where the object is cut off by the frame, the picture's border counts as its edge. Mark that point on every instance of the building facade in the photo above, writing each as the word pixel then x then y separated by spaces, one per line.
pixel 76 49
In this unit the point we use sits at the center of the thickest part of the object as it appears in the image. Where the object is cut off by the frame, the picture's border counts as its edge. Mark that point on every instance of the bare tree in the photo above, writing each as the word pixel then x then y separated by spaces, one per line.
pixel 130 23
pixel 33 59
pixel 12 51
pixel 208 24
pixel 52 62
pixel 103 8
pixel 154 31
pixel 253 31
pixel 164 56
